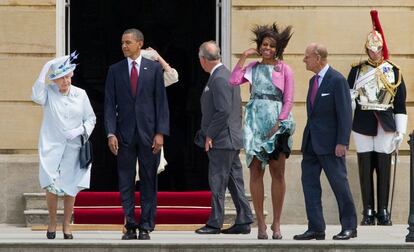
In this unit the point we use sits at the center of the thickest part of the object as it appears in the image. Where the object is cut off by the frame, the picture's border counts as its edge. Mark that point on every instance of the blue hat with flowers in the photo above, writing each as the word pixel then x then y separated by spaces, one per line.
pixel 63 66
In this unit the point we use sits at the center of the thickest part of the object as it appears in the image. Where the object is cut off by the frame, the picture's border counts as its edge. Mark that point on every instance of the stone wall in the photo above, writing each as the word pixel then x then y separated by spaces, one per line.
pixel 340 25
pixel 19 174
pixel 27 41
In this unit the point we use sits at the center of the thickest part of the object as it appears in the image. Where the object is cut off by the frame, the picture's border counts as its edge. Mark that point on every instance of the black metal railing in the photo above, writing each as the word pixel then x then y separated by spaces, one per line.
pixel 410 235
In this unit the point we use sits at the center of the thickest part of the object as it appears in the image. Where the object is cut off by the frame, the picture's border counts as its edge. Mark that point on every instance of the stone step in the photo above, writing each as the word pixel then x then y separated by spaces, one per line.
pixel 36 209
pixel 375 238
pixel 116 227
pixel 135 245
pixel 38 201
pixel 228 202
pixel 40 217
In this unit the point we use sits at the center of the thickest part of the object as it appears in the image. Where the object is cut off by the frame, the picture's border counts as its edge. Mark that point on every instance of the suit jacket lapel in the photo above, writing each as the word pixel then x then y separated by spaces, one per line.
pixel 143 68
pixel 125 77
pixel 207 86
pixel 322 86
pixel 308 104
pixel 212 75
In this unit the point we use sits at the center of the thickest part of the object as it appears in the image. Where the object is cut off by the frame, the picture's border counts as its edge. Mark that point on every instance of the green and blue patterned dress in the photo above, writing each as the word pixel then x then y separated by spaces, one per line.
pixel 262 112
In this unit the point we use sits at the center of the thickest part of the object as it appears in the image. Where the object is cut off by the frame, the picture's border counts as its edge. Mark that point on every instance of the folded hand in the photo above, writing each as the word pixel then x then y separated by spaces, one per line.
pixel 340 150
pixel 157 143
pixel 73 133
pixel 113 144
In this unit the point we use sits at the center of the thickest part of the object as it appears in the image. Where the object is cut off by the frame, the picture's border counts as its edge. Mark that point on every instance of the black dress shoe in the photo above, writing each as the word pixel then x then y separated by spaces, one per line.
pixel 237 229
pixel 130 234
pixel 144 235
pixel 208 230
pixel 310 235
pixel 345 234
pixel 383 218
pixel 368 218
pixel 50 235
pixel 367 221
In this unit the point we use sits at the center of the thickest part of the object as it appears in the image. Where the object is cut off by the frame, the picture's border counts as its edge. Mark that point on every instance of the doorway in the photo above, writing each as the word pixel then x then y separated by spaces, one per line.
pixel 175 29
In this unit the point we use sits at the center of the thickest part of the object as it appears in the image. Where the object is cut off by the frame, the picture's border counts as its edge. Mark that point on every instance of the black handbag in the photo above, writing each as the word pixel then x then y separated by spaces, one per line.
pixel 85 153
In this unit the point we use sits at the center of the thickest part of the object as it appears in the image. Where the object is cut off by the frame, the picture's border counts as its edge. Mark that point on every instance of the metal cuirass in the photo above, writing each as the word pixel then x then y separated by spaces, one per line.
pixel 375 87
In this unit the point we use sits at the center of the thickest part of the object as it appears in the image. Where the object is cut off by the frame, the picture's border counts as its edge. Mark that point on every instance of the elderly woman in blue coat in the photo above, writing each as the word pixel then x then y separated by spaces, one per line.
pixel 67 114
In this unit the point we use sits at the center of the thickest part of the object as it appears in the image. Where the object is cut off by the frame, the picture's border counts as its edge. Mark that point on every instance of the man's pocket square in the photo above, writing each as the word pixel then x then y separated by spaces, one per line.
pixel 325 94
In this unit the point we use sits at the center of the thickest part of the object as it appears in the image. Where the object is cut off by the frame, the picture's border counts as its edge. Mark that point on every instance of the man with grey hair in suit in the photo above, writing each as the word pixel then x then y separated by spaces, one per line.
pixel 324 145
pixel 221 137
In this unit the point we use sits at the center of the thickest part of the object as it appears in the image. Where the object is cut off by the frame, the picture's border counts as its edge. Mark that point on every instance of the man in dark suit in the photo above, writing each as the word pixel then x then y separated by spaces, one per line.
pixel 324 145
pixel 221 137
pixel 136 119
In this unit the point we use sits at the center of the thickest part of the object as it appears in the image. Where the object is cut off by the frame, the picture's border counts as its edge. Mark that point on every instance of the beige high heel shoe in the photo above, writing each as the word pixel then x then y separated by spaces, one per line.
pixel 262 235
pixel 278 236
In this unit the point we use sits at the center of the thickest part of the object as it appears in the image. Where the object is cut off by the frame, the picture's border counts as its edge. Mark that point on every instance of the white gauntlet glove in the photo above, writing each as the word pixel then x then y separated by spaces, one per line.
pixel 401 127
pixel 354 95
pixel 397 140
pixel 73 133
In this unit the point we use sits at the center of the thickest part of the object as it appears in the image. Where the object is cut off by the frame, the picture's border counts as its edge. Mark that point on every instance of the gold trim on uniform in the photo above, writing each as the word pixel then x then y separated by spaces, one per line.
pixel 358 63
pixel 377 88
pixel 375 63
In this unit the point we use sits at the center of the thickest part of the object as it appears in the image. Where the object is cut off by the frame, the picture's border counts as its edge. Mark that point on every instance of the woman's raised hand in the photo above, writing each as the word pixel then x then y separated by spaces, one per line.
pixel 250 51
pixel 245 54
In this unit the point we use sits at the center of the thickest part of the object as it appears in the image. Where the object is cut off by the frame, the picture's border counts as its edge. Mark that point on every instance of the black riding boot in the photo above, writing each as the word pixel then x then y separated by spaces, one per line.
pixel 366 169
pixel 383 188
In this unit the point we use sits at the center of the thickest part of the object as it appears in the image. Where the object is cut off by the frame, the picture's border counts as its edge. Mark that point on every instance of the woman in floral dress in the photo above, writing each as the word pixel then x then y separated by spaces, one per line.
pixel 268 125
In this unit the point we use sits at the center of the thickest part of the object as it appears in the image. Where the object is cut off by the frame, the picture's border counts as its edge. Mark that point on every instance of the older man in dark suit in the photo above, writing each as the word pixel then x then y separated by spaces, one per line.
pixel 324 145
pixel 136 120
pixel 221 137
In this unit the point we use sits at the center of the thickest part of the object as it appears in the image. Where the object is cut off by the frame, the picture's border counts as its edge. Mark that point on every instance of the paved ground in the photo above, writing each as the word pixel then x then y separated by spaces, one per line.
pixel 374 235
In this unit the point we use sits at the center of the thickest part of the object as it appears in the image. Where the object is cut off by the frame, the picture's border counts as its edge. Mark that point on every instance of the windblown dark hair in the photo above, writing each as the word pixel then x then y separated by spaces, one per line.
pixel 273 31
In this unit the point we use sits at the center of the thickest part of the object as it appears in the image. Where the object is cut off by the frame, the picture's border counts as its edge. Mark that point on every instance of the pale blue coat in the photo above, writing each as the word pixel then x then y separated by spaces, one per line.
pixel 59 157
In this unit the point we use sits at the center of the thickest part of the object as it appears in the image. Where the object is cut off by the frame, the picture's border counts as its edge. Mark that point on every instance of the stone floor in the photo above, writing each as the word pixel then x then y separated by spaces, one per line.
pixel 374 238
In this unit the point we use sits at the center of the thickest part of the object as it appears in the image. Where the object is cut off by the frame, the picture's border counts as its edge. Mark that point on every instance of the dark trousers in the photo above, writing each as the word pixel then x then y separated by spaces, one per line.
pixel 148 163
pixel 225 170
pixel 335 170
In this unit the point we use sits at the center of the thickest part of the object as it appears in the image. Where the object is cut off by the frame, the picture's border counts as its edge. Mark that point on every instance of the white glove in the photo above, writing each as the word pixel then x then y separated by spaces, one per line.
pixel 163 162
pixel 354 94
pixel 150 54
pixel 401 122
pixel 397 140
pixel 46 67
pixel 353 105
pixel 73 133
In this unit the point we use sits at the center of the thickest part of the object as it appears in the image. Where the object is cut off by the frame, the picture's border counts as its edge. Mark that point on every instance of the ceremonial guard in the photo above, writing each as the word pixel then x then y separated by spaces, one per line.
pixel 380 121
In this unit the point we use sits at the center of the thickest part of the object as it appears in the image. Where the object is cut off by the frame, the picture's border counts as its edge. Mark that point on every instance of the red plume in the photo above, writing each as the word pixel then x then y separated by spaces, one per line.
pixel 377 26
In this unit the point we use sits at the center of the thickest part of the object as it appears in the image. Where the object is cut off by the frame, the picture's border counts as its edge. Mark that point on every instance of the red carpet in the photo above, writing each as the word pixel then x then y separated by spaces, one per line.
pixel 173 208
